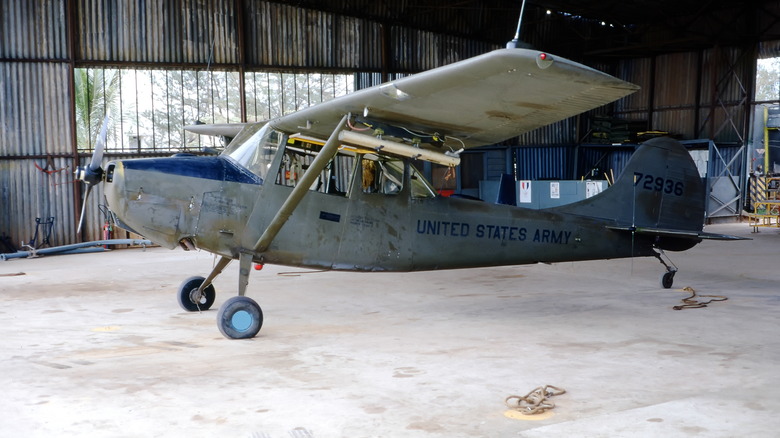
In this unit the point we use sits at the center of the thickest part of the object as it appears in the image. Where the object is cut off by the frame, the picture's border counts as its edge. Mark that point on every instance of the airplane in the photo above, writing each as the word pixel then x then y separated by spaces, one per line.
pixel 335 187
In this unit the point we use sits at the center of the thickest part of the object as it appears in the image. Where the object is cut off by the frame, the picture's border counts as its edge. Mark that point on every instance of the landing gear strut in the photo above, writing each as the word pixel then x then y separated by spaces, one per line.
pixel 239 317
pixel 668 278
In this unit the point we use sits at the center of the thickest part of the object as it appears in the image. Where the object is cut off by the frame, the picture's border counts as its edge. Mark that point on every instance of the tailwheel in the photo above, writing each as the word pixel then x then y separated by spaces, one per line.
pixel 667 279
pixel 193 301
pixel 240 317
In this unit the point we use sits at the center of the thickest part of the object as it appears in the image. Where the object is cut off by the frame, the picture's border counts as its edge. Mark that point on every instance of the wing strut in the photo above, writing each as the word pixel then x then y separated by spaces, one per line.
pixel 328 151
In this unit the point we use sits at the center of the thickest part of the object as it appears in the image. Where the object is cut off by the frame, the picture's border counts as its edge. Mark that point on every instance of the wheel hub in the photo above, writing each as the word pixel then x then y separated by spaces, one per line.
pixel 197 297
pixel 241 320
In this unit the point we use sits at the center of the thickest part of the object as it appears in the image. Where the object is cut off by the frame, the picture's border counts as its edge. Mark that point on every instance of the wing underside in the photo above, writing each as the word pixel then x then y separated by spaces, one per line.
pixel 479 101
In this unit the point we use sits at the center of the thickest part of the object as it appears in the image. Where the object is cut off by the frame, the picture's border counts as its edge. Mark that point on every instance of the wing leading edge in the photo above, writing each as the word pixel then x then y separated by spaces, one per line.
pixel 481 100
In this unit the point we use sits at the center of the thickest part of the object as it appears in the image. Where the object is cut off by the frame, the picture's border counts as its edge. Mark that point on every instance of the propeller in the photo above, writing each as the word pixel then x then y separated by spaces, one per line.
pixel 92 173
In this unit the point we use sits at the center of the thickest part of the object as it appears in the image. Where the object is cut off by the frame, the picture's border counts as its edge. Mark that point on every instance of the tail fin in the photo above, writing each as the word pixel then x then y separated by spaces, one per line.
pixel 659 193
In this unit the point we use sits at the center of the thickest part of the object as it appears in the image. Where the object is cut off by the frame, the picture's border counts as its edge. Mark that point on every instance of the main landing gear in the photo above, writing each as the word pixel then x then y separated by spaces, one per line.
pixel 668 278
pixel 240 317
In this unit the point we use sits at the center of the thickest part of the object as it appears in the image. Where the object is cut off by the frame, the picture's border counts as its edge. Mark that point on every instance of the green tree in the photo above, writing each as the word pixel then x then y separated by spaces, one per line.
pixel 96 92
pixel 768 79
pixel 181 98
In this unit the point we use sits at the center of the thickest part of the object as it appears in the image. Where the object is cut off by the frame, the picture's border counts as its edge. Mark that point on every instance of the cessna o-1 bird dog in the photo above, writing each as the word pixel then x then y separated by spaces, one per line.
pixel 320 189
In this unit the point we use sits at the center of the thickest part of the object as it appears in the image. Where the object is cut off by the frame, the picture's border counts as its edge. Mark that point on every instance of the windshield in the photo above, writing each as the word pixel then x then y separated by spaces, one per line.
pixel 254 148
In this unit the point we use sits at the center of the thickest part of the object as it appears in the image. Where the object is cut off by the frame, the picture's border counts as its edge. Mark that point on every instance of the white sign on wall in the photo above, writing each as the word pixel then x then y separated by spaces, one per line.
pixel 592 188
pixel 555 190
pixel 525 192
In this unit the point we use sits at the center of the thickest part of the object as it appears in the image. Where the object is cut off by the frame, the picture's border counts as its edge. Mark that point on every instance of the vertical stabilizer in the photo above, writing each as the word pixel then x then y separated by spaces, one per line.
pixel 660 190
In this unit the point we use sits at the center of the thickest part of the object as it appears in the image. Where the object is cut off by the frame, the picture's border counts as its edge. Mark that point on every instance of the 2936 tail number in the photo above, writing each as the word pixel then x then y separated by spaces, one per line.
pixel 659 184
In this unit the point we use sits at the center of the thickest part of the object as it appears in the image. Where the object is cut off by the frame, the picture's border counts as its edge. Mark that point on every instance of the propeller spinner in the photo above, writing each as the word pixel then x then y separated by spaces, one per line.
pixel 92 173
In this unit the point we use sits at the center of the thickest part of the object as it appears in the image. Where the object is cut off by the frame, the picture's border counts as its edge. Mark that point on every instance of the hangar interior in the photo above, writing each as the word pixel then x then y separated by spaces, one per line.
pixel 157 66
pixel 93 347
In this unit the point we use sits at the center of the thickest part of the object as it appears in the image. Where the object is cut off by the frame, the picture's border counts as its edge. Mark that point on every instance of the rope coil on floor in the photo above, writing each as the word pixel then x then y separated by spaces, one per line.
pixel 536 401
pixel 691 302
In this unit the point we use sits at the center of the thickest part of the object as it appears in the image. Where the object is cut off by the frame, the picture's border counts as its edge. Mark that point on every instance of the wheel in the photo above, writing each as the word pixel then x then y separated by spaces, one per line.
pixel 189 298
pixel 667 280
pixel 239 318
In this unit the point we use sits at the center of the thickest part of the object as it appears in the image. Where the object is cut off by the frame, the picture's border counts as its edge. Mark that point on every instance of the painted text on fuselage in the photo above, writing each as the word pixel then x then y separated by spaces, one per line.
pixel 492 231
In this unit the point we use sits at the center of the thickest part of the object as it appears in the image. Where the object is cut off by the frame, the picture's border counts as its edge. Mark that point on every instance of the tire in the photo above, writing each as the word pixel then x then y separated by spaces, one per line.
pixel 667 280
pixel 240 318
pixel 186 295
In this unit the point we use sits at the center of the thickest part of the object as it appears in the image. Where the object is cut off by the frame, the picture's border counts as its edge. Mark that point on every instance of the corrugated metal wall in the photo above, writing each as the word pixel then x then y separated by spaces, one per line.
pixel 180 31
pixel 543 163
pixel 559 133
pixel 34 114
pixel 311 39
pixel 33 30
pixel 691 95
pixel 34 123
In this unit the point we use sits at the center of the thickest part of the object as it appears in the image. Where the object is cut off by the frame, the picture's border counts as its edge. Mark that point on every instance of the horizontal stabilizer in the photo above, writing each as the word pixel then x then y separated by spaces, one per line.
pixel 714 236
pixel 683 234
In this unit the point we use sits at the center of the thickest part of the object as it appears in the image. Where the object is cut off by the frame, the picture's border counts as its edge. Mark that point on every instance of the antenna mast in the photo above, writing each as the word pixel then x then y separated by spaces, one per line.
pixel 516 40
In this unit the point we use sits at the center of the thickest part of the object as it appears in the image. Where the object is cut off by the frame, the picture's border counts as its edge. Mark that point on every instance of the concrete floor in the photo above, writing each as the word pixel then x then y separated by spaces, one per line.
pixel 95 345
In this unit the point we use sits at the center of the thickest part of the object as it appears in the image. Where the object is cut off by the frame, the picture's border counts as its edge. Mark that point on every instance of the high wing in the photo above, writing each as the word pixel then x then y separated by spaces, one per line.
pixel 479 101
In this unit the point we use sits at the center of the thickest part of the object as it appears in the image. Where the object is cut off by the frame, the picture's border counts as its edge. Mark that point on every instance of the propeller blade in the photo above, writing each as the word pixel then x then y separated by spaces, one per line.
pixel 100 145
pixel 84 207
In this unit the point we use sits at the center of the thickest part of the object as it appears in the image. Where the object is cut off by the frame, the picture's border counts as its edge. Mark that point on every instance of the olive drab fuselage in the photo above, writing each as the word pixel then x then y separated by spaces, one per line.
pixel 369 212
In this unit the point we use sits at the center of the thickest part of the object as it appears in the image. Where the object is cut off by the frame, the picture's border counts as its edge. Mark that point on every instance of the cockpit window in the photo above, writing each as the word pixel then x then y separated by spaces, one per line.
pixel 421 188
pixel 254 148
pixel 386 176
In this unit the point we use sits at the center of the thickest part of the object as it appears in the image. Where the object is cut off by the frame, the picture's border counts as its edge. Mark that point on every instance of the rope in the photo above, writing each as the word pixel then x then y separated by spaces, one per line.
pixel 691 302
pixel 535 402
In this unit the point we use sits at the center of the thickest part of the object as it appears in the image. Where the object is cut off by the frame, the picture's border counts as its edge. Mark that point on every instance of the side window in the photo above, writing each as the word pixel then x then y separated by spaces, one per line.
pixel 386 176
pixel 421 188
pixel 381 177
pixel 298 156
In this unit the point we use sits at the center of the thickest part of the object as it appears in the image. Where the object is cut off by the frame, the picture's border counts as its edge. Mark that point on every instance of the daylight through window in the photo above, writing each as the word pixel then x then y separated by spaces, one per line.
pixel 148 109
